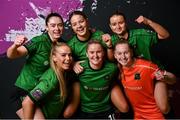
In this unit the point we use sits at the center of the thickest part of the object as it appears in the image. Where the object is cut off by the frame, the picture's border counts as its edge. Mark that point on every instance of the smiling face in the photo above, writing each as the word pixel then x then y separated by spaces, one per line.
pixel 63 57
pixel 95 54
pixel 79 25
pixel 118 24
pixel 123 55
pixel 55 27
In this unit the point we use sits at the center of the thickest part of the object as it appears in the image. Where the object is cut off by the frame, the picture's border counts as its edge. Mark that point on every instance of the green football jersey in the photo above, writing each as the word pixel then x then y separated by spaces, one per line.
pixel 142 41
pixel 47 93
pixel 37 61
pixel 95 87
pixel 79 47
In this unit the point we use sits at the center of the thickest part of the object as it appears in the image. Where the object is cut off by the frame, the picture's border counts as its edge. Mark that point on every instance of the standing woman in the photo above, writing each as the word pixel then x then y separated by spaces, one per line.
pixel 50 95
pixel 37 51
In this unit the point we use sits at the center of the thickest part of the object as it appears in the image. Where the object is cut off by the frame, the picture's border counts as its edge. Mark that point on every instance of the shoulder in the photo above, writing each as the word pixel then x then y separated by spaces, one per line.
pixel 146 64
pixel 72 40
pixel 40 38
pixel 111 65
pixel 37 39
pixel 141 32
pixel 97 32
pixel 48 74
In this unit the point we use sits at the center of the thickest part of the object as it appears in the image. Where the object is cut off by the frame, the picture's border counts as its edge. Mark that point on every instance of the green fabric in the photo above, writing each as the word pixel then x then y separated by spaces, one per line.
pixel 79 47
pixel 142 41
pixel 37 62
pixel 47 94
pixel 95 87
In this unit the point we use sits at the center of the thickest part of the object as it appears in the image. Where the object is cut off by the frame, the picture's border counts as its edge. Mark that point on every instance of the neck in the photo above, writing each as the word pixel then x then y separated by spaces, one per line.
pixel 96 67
pixel 131 64
pixel 53 40
pixel 123 35
pixel 85 37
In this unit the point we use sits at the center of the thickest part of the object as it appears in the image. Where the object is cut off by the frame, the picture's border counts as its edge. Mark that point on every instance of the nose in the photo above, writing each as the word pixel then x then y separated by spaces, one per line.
pixel 68 57
pixel 118 26
pixel 78 25
pixel 56 27
pixel 123 56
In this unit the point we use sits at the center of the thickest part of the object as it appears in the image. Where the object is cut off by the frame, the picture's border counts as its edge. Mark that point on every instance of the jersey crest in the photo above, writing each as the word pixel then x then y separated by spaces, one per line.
pixel 137 76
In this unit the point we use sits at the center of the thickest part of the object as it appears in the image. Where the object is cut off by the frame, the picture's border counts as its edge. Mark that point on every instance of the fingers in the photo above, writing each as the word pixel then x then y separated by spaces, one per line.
pixel 107 39
pixel 140 19
pixel 20 40
pixel 159 75
pixel 78 68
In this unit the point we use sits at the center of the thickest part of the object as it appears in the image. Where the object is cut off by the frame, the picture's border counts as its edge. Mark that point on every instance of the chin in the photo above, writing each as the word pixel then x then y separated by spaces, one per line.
pixel 124 64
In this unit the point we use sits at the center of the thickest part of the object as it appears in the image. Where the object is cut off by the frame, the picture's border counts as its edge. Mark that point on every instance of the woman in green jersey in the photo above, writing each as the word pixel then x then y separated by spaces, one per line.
pixel 54 87
pixel 96 82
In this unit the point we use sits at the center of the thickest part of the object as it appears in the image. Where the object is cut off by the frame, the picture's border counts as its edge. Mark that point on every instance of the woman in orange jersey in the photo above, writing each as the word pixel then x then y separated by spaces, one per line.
pixel 138 77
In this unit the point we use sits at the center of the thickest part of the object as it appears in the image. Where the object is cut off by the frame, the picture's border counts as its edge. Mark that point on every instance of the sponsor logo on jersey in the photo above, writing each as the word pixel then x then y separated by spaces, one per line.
pixel 95 89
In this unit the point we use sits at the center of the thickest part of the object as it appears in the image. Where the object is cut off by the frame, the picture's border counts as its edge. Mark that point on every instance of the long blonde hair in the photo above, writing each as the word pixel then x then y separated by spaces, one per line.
pixel 59 74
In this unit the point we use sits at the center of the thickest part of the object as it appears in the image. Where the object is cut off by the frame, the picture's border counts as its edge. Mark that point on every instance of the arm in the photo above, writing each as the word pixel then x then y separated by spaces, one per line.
pixel 161 31
pixel 169 78
pixel 17 49
pixel 28 108
pixel 77 67
pixel 73 105
pixel 165 76
pixel 110 52
pixel 118 99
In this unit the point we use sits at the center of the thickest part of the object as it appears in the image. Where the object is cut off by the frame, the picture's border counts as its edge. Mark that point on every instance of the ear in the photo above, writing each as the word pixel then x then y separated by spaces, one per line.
pixel 110 26
pixel 47 28
pixel 132 53
pixel 115 55
pixel 87 55
pixel 54 58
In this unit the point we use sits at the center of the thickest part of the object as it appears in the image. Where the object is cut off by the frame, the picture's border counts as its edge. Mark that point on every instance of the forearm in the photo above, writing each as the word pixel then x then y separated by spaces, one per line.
pixel 161 31
pixel 110 54
pixel 15 51
pixel 28 108
pixel 12 52
pixel 74 103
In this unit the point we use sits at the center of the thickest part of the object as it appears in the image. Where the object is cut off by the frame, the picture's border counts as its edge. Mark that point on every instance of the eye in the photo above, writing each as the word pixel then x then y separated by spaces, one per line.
pixel 73 24
pixel 81 21
pixel 52 25
pixel 113 24
pixel 60 25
